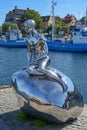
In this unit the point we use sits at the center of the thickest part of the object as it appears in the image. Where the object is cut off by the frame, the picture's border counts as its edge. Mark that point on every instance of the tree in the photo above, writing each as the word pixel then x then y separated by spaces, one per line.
pixel 7 25
pixel 61 26
pixel 13 26
pixel 31 14
pixel 49 28
pixel 0 30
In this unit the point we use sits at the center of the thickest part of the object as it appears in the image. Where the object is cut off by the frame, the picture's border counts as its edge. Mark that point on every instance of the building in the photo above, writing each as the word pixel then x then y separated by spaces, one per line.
pixel 83 20
pixel 47 21
pixel 15 15
pixel 70 20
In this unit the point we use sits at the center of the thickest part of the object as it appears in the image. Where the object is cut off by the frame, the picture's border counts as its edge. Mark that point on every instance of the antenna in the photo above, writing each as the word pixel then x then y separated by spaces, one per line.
pixel 53 18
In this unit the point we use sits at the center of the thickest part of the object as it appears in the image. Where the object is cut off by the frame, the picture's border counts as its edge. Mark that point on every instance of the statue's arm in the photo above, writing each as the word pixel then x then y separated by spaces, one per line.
pixel 44 52
pixel 45 48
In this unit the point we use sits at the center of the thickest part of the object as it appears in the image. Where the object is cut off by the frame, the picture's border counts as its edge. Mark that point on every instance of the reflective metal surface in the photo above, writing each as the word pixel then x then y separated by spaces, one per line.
pixel 45 90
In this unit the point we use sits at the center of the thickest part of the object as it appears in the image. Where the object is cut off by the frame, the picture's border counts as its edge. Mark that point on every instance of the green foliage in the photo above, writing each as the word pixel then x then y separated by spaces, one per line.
pixel 22 116
pixel 21 27
pixel 31 14
pixel 0 28
pixel 38 123
pixel 49 28
pixel 7 25
pixel 13 26
pixel 61 26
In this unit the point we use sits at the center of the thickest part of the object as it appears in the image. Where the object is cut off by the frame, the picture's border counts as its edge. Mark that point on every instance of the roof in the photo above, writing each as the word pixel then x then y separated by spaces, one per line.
pixel 45 18
pixel 16 11
pixel 68 18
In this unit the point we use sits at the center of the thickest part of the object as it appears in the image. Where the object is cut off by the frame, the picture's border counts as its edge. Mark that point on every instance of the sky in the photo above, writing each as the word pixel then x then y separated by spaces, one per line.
pixel 63 7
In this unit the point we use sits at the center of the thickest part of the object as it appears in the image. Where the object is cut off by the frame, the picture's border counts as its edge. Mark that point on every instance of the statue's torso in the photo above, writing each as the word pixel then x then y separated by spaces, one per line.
pixel 35 47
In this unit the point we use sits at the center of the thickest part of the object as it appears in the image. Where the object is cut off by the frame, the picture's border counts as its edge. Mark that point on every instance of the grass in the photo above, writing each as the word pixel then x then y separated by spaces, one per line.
pixel 38 123
pixel 23 117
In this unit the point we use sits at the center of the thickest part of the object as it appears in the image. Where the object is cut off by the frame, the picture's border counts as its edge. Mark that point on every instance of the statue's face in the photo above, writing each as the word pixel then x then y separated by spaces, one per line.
pixel 29 26
pixel 29 29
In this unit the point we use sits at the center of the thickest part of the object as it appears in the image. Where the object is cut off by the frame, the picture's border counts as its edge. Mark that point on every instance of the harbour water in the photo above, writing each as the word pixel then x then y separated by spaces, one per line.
pixel 72 64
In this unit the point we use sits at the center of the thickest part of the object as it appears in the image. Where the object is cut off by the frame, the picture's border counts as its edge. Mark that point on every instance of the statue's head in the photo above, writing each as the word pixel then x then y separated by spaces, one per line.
pixel 29 25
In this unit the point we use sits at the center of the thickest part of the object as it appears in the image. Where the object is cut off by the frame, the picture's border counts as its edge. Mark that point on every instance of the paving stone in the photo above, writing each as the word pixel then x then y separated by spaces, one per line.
pixel 10 108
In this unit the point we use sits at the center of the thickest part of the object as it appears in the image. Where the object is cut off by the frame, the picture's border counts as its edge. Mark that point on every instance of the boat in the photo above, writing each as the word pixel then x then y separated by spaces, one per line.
pixel 12 38
pixel 52 46
pixel 66 47
pixel 19 43
pixel 77 44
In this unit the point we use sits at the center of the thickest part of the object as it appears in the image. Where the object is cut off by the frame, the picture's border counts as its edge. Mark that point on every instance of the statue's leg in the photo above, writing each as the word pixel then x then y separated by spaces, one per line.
pixel 33 70
pixel 50 73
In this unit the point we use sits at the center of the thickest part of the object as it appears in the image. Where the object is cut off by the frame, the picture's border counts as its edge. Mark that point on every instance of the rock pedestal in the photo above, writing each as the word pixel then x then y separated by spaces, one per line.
pixel 45 99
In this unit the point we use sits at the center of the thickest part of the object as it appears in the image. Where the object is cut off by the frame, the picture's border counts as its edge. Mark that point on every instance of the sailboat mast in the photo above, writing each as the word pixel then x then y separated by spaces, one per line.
pixel 86 16
pixel 53 20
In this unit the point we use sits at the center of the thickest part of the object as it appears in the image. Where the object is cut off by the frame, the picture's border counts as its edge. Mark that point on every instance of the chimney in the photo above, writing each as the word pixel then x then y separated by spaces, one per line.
pixel 27 8
pixel 16 7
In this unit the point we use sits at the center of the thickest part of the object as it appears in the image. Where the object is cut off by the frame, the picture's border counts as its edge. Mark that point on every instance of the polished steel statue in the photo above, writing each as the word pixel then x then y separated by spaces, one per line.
pixel 47 92
pixel 38 55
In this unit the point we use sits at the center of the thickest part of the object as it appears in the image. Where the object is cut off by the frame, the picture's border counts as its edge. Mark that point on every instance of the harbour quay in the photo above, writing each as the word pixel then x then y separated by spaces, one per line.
pixel 10 108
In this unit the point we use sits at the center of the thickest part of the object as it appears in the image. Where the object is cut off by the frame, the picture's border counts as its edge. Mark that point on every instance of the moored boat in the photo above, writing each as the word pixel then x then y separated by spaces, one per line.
pixel 66 47
pixel 52 45
pixel 12 38
pixel 78 43
pixel 14 43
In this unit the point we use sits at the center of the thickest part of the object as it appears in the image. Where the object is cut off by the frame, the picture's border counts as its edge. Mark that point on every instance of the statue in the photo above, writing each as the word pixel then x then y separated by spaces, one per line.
pixel 38 54
pixel 45 91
